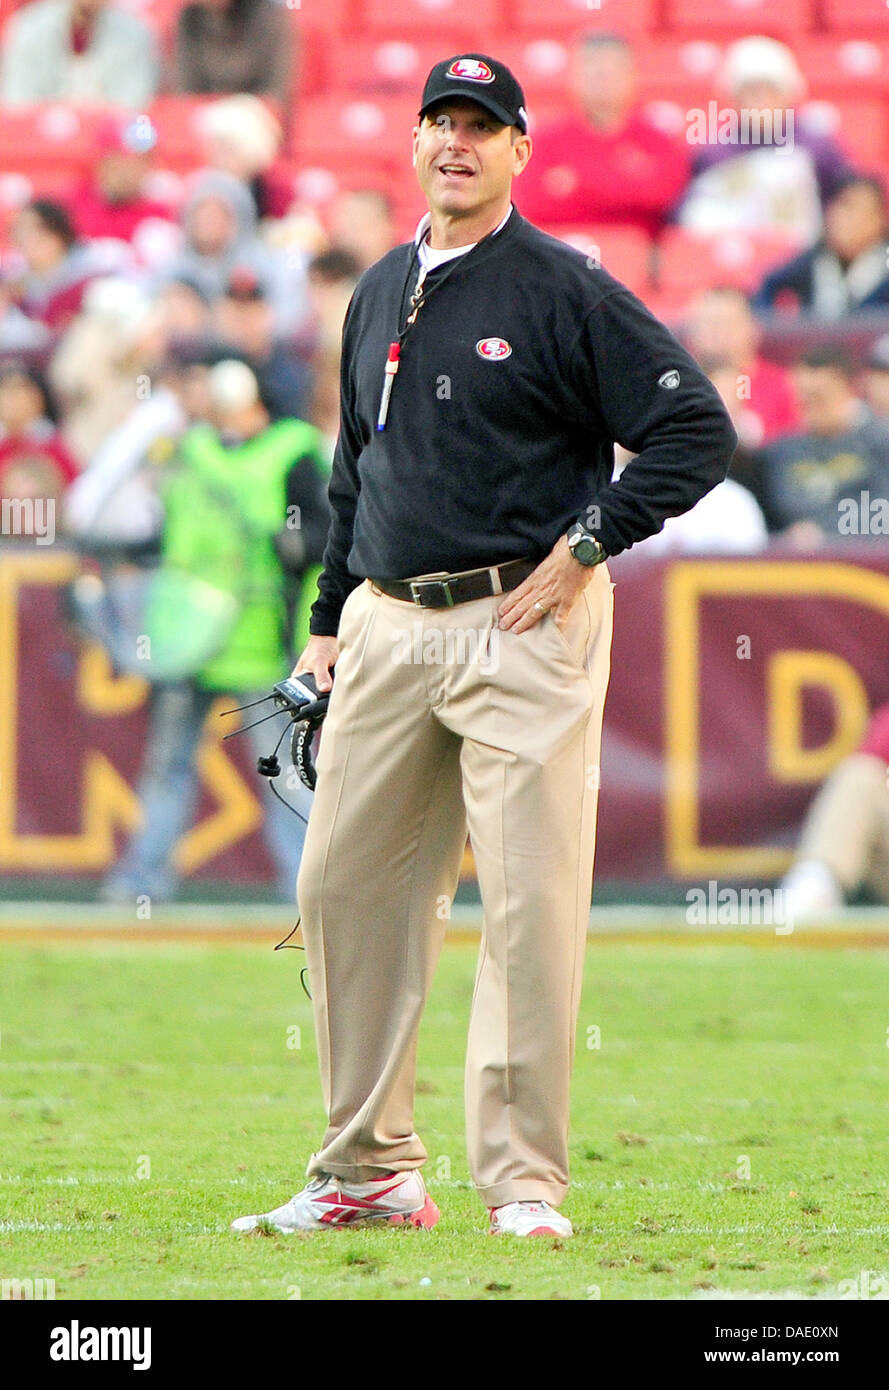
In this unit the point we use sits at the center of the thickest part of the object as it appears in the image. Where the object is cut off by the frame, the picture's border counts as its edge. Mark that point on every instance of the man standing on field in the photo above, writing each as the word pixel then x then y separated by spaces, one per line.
pixel 487 371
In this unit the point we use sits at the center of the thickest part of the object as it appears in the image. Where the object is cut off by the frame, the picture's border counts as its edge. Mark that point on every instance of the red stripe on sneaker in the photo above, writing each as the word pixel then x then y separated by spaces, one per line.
pixel 361 1203
pixel 342 1216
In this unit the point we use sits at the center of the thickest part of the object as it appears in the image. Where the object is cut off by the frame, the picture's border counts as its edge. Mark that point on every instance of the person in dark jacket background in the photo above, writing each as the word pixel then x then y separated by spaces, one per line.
pixel 811 477
pixel 847 269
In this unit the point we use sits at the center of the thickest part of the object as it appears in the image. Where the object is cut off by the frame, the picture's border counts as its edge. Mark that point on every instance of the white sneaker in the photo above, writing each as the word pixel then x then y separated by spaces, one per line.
pixel 326 1201
pixel 810 891
pixel 529 1219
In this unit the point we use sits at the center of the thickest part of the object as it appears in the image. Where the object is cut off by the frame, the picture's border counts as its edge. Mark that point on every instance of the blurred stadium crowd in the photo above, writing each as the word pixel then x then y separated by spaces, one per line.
pixel 189 193
pixel 183 184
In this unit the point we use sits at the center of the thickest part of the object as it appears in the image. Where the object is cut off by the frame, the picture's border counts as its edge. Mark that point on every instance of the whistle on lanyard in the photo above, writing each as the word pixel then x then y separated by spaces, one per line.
pixel 391 368
pixel 388 382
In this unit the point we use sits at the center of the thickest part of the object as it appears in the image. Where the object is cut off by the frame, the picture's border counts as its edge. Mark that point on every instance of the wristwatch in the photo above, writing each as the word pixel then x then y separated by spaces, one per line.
pixel 584 546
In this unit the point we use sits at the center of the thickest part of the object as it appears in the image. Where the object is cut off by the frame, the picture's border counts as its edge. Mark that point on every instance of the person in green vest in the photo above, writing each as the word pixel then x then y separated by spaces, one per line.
pixel 246 513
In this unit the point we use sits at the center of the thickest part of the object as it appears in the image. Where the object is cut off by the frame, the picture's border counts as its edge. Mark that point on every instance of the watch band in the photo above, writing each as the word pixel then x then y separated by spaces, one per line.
pixel 586 548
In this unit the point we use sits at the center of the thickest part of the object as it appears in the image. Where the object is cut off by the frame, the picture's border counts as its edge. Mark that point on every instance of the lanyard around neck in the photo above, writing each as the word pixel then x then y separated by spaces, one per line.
pixel 420 296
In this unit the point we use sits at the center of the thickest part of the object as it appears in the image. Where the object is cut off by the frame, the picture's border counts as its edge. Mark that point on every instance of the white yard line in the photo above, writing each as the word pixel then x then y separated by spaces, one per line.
pixel 261 918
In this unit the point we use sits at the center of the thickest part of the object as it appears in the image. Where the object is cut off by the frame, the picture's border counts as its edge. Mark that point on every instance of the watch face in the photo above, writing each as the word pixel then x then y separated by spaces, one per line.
pixel 586 551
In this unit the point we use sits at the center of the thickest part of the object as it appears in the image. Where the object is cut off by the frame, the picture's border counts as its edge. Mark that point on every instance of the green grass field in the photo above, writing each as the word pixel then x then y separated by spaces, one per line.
pixel 729 1134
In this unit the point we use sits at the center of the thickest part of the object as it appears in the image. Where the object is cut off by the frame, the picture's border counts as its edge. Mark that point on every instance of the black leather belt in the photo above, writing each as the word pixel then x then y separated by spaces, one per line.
pixel 448 590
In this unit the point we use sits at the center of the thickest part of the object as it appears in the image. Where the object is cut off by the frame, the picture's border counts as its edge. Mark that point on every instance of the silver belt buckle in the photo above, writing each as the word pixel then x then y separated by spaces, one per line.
pixel 418 585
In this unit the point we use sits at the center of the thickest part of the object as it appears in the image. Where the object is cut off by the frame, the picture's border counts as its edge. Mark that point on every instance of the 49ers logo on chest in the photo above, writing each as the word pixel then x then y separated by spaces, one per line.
pixel 493 349
pixel 470 70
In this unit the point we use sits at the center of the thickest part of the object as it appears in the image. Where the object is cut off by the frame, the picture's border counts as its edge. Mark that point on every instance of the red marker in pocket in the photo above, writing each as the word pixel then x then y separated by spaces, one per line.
pixel 388 380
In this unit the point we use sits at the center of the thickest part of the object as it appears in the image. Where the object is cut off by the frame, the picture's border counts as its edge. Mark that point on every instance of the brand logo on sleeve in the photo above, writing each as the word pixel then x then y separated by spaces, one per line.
pixel 669 380
pixel 470 70
pixel 493 349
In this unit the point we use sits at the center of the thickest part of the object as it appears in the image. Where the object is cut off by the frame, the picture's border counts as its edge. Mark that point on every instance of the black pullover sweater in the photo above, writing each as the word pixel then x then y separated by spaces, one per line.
pixel 486 458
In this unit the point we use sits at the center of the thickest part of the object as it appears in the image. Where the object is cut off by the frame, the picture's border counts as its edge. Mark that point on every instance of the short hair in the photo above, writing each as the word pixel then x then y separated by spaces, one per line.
pixel 829 357
pixel 429 115
pixel 187 282
pixel 871 181
pixel 55 219
pixel 335 265
pixel 608 39
pixel 727 291
pixel 711 365
pixel 16 367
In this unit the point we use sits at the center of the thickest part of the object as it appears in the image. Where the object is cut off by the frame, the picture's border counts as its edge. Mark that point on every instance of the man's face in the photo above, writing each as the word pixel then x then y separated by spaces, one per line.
pixel 121 175
pixel 193 389
pixel 721 325
pixel 761 95
pixel 40 246
pixel 361 223
pixel 212 226
pixel 854 221
pixel 330 300
pixel 247 322
pixel 605 80
pixel 20 403
pixel 185 312
pixel 825 396
pixel 465 158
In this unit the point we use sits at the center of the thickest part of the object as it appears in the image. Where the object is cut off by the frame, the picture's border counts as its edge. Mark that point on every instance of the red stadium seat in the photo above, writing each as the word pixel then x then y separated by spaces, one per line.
pixel 323 170
pixel 378 128
pixel 329 16
pixel 688 263
pixel 787 19
pixel 625 252
pixel 679 69
pixel 315 64
pixel 575 16
pixel 37 138
pixel 430 18
pixel 18 188
pixel 161 14
pixel 858 126
pixel 855 16
pixel 543 113
pixel 843 67
pixel 670 306
pixel 180 145
pixel 388 66
pixel 384 66
pixel 8 10
pixel 541 63
pixel 318 184
pixel 175 119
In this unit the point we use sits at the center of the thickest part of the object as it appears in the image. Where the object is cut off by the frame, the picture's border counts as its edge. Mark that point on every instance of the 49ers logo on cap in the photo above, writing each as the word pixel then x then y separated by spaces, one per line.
pixel 470 70
pixel 493 349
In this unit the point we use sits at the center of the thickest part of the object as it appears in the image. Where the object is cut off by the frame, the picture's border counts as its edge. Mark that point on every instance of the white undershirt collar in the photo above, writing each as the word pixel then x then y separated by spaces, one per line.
pixel 429 256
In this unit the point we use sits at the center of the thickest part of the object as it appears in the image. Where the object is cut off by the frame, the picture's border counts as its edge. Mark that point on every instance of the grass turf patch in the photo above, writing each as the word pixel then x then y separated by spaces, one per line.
pixel 730 1109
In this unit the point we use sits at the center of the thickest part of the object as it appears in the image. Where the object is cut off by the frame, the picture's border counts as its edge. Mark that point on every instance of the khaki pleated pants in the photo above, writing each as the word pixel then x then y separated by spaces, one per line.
pixel 440 721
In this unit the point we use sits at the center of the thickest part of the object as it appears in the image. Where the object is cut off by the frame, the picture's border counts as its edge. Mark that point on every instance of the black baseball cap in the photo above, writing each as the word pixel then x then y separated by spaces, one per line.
pixel 481 79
